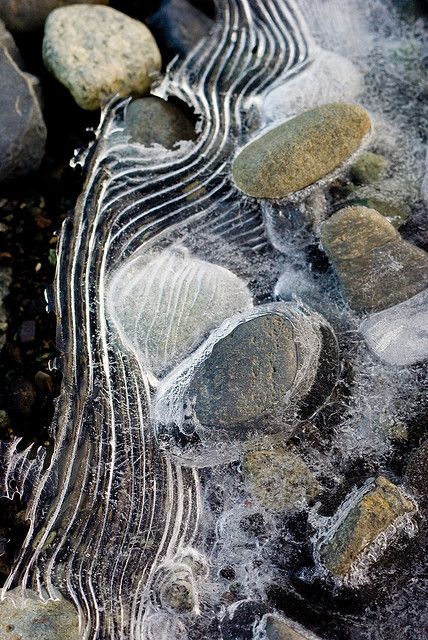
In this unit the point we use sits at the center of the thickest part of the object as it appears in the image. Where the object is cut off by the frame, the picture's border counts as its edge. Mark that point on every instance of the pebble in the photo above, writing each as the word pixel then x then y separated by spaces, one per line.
pixel 363 526
pixel 250 378
pixel 376 267
pixel 178 26
pixel 7 41
pixel 396 213
pixel 27 331
pixel 30 15
pixel 368 168
pixel 275 627
pixel 399 335
pixel 98 52
pixel 177 300
pixel 301 151
pixel 28 618
pixel 22 128
pixel 417 470
pixel 154 121
pixel 279 479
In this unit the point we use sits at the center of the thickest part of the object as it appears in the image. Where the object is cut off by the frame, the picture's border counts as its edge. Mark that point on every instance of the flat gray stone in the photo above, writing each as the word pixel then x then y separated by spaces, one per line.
pixel 22 128
pixel 98 52
pixel 152 120
pixel 275 627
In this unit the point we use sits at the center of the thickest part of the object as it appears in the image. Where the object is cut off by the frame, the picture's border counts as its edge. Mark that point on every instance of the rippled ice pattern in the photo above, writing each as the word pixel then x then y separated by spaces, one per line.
pixel 114 518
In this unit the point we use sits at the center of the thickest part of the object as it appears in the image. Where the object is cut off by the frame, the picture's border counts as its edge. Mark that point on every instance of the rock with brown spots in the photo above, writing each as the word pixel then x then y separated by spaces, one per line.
pixel 98 52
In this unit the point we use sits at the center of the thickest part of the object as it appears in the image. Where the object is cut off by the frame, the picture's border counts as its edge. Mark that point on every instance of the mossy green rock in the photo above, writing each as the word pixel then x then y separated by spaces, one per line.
pixel 98 52
pixel 397 213
pixel 376 267
pixel 368 168
pixel 301 151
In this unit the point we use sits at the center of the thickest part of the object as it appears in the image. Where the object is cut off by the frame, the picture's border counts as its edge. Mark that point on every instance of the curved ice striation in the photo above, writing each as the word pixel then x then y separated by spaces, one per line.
pixel 111 511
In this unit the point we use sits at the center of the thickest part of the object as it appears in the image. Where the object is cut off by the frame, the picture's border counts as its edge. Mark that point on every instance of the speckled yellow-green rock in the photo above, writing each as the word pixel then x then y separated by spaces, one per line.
pixel 279 479
pixel 377 510
pixel 368 168
pixel 376 266
pixel 98 52
pixel 301 151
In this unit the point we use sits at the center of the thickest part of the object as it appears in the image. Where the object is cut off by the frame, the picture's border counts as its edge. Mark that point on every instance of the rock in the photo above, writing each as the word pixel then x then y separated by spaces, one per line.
pixel 154 121
pixel 22 129
pixel 27 331
pixel 178 26
pixel 328 78
pixel 29 15
pixel 362 528
pixel 253 376
pixel 98 52
pixel 23 615
pixel 21 398
pixel 240 619
pixel 396 213
pixel 417 470
pixel 376 267
pixel 166 305
pixel 301 151
pixel 7 41
pixel 275 627
pixel 368 168
pixel 399 335
pixel 279 479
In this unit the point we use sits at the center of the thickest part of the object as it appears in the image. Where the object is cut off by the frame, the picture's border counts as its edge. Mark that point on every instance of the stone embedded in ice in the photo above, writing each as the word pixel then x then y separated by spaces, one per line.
pixel 165 305
pixel 329 78
pixel 376 267
pixel 399 335
pixel 362 528
pixel 275 627
pixel 253 376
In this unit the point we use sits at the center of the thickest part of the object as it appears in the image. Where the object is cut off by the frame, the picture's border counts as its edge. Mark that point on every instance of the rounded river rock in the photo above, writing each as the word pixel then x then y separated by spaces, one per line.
pixel 98 52
pixel 301 151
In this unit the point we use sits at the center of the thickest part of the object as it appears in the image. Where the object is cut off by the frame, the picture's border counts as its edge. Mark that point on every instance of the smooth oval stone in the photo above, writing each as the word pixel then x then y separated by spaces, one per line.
pixel 358 534
pixel 98 52
pixel 376 267
pixel 368 168
pixel 152 120
pixel 301 151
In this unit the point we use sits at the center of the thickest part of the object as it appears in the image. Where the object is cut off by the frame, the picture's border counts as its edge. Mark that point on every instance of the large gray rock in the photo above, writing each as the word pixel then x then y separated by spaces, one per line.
pixel 151 120
pixel 22 128
pixel 98 52
pixel 23 615
pixel 301 151
pixel 376 267
pixel 28 15
pixel 7 41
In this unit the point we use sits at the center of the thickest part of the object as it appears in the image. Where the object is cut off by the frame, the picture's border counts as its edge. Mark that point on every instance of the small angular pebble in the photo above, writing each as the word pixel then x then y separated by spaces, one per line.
pixel 279 478
pixel 22 128
pixel 355 536
pixel 376 267
pixel 178 26
pixel 154 121
pixel 368 168
pixel 275 627
pixel 399 335
pixel 26 617
pixel 98 52
pixel 301 151
pixel 29 15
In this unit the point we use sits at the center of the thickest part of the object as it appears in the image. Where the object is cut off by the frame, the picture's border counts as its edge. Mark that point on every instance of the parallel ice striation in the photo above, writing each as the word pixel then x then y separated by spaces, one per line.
pixel 165 304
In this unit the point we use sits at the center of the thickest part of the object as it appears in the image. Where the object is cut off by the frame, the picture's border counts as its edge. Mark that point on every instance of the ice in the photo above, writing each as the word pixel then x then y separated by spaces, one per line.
pixel 399 335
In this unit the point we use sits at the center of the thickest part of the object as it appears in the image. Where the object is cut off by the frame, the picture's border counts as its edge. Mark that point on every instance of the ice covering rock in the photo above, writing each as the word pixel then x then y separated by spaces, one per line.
pixel 166 304
pixel 399 335
pixel 275 627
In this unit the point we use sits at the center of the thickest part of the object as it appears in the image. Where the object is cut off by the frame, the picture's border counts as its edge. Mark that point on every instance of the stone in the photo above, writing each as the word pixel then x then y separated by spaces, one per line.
pixel 417 470
pixel 178 26
pixel 279 479
pixel 399 335
pixel 7 41
pixel 376 267
pixel 396 213
pixel 25 616
pixel 151 121
pixel 275 627
pixel 22 128
pixel 27 331
pixel 253 376
pixel 240 619
pixel 30 15
pixel 98 52
pixel 368 168
pixel 166 305
pixel 301 151
pixel 367 522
